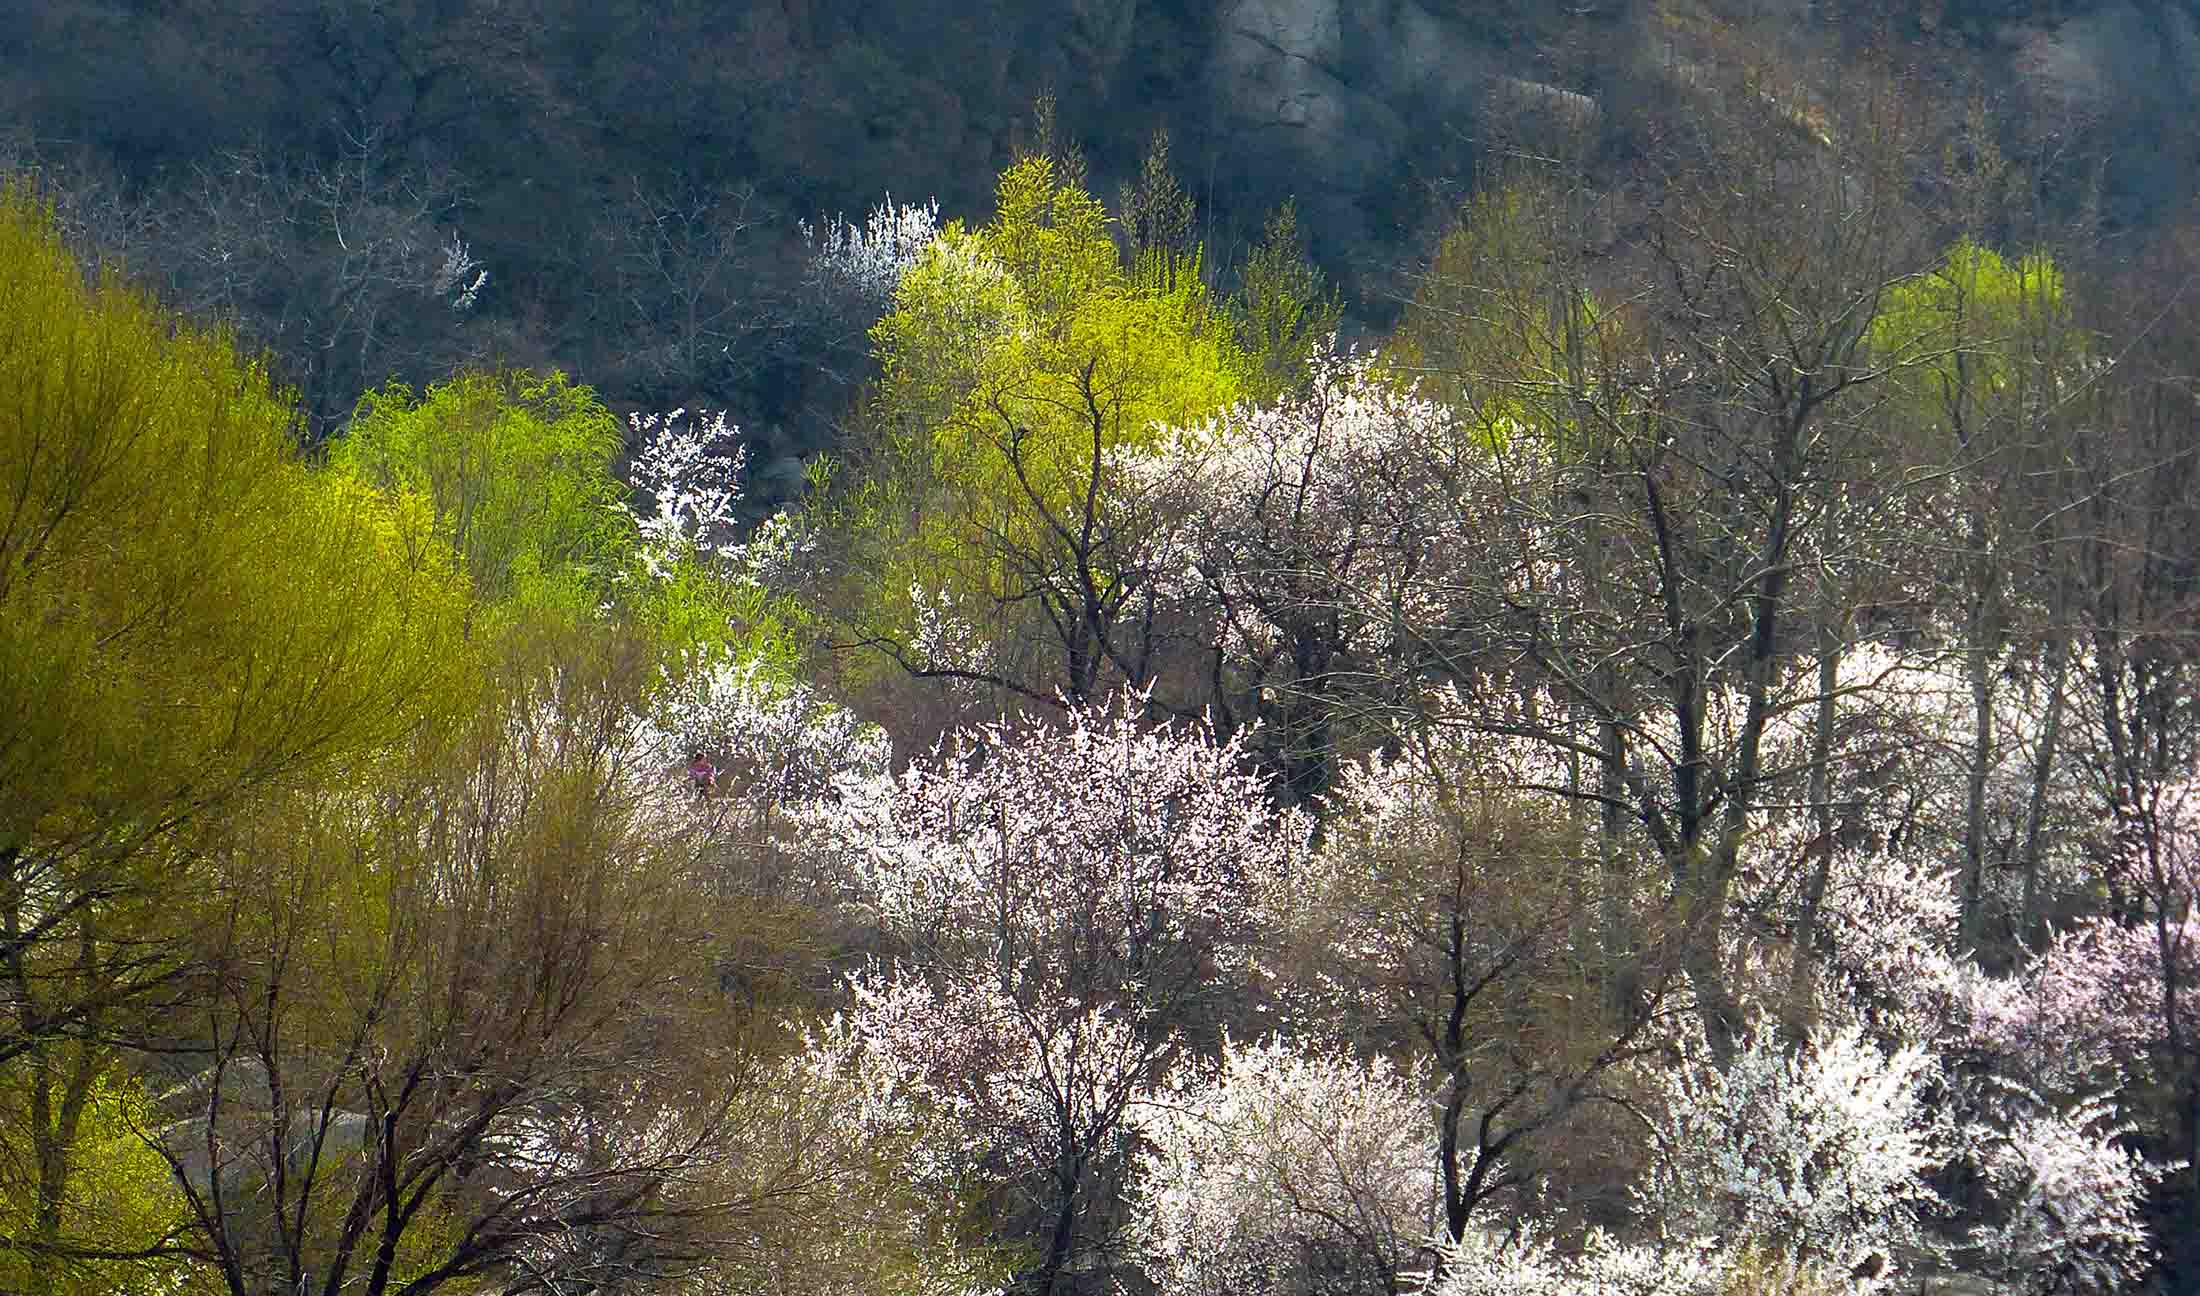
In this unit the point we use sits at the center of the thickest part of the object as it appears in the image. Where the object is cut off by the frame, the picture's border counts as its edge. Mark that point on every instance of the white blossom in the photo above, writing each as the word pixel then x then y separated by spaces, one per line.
pixel 1822 1152
pixel 1325 502
pixel 1286 1169
pixel 460 278
pixel 772 739
pixel 2068 1199
pixel 690 470
pixel 1114 843
pixel 1007 1088
pixel 1066 893
pixel 1525 1262
pixel 869 260
pixel 781 753
pixel 942 638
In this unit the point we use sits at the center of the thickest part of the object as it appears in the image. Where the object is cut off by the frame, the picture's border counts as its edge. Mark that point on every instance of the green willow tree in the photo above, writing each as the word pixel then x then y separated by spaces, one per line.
pixel 189 617
pixel 1020 358
pixel 460 1016
pixel 517 470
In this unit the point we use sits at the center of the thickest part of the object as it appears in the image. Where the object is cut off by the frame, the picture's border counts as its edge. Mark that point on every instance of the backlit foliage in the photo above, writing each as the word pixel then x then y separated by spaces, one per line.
pixel 1018 358
pixel 516 469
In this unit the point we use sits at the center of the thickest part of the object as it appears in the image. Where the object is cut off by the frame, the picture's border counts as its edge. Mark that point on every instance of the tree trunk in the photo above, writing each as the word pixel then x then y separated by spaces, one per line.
pixel 1802 978
pixel 2043 766
pixel 1978 671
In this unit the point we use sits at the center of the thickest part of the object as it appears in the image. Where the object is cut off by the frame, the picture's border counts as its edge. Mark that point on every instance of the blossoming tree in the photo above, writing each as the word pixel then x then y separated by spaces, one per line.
pixel 1067 899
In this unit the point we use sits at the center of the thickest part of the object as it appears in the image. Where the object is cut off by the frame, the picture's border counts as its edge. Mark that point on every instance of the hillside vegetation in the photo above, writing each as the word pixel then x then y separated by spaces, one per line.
pixel 1648 745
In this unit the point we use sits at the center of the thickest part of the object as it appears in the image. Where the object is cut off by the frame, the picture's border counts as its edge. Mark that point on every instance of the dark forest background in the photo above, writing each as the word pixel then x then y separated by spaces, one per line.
pixel 633 178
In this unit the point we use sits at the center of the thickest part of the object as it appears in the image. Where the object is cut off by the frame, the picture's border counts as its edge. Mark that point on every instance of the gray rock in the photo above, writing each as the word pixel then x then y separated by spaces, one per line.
pixel 1956 1284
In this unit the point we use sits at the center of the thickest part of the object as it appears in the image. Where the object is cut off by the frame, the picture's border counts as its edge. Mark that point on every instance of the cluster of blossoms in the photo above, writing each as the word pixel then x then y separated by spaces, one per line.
pixel 1102 838
pixel 1064 893
pixel 2087 1004
pixel 942 638
pixel 1285 1163
pixel 2071 1196
pixel 1323 500
pixel 460 278
pixel 1823 1151
pixel 1008 1086
pixel 868 261
pixel 776 741
pixel 780 753
pixel 1525 1262
pixel 690 470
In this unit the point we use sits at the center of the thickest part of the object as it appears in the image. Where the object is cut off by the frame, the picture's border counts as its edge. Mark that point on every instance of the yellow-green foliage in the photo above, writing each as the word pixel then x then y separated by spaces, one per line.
pixel 184 606
pixel 1016 357
pixel 697 605
pixel 1761 1270
pixel 1032 326
pixel 1970 329
pixel 189 615
pixel 516 468
pixel 1974 295
pixel 122 1198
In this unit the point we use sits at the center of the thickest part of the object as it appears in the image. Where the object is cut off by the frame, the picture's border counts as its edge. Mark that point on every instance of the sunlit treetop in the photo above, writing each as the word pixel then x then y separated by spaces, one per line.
pixel 1031 325
pixel 186 607
pixel 1972 319
pixel 516 468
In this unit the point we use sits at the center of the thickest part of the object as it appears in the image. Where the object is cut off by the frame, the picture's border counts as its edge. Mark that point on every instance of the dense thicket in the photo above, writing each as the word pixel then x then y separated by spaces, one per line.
pixel 1673 770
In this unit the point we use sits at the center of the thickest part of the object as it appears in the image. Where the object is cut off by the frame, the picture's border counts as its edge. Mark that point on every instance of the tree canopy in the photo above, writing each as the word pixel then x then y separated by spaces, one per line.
pixel 189 616
pixel 516 471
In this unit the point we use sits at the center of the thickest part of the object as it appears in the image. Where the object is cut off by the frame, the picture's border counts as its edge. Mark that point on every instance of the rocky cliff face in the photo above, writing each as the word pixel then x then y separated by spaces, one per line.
pixel 1350 104
pixel 1341 97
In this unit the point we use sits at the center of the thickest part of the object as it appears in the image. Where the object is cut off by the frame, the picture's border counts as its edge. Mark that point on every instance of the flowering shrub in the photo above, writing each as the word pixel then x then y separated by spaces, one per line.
pixel 1008 1090
pixel 2088 1003
pixel 1316 510
pixel 867 261
pixel 2069 1212
pixel 1821 1153
pixel 781 753
pixel 1526 1263
pixel 691 471
pixel 774 741
pixel 1286 1171
pixel 1096 859
pixel 1065 894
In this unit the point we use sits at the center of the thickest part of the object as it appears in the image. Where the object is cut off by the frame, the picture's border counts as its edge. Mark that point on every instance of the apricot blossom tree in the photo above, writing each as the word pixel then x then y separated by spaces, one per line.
pixel 1067 900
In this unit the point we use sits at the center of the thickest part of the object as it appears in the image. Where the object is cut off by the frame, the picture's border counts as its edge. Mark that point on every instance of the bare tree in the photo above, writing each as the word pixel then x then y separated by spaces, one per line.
pixel 350 271
pixel 464 1021
pixel 685 259
pixel 1660 469
pixel 1439 921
